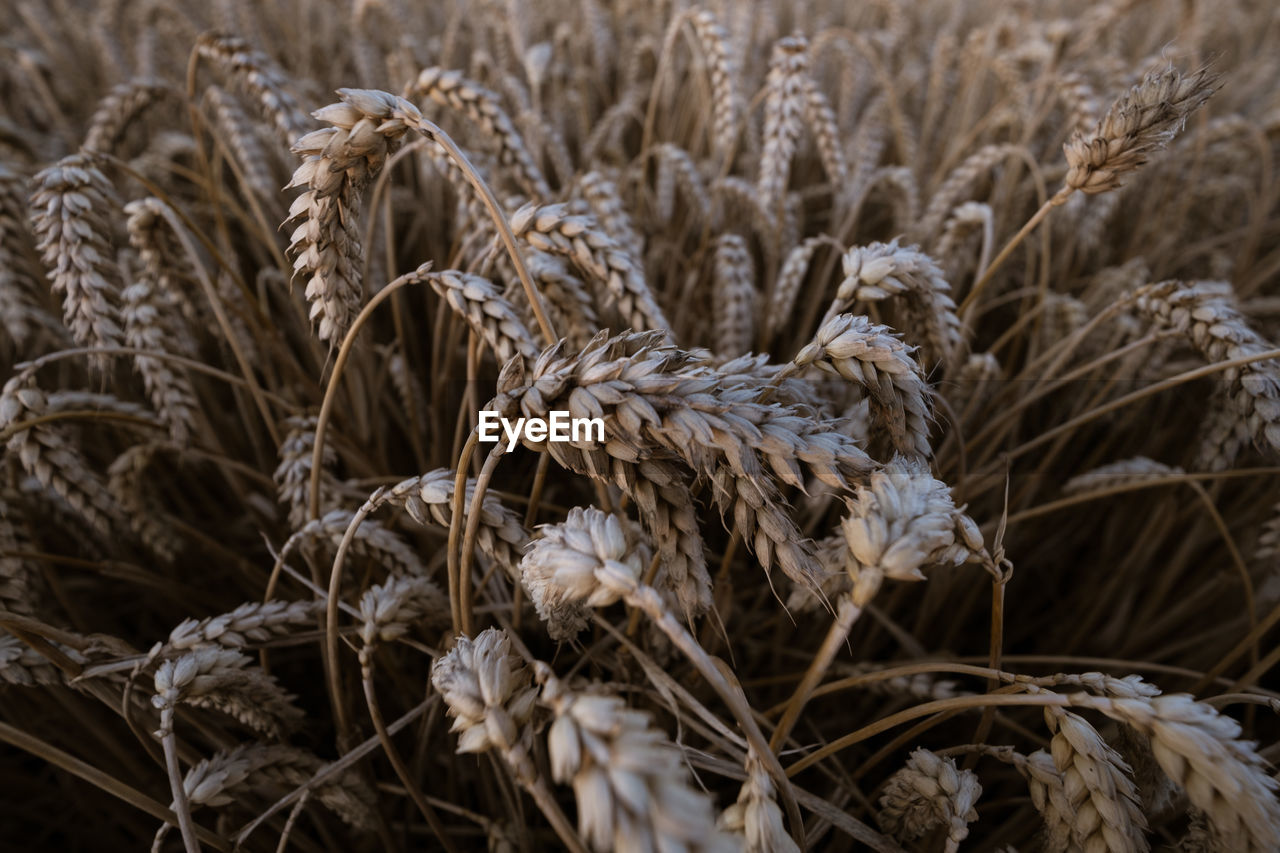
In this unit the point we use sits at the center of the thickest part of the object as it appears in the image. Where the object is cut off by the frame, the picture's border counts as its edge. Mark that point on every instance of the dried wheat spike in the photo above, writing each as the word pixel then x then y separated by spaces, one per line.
pixel 371 541
pixel 293 474
pixel 714 41
pixel 655 410
pixel 224 680
pixel 677 170
pixel 22 666
pixel 733 295
pixel 225 777
pixel 118 111
pixel 18 577
pixel 1123 473
pixel 23 311
pixel 565 296
pixel 487 691
pixel 631 785
pixel 146 516
pixel 478 301
pixel 251 622
pixel 560 567
pixel 784 108
pixel 578 238
pixel 1140 122
pixel 1049 796
pixel 1200 750
pixel 882 270
pixel 72 209
pixel 243 142
pixel 900 522
pixel 1206 313
pixel 1099 786
pixel 261 78
pixel 152 320
pixel 756 815
pixel 388 610
pixel 786 289
pixel 48 455
pixel 607 206
pixel 930 791
pixel 337 163
pixel 855 348
pixel 826 133
pixel 957 185
pixel 451 89
pixel 429 501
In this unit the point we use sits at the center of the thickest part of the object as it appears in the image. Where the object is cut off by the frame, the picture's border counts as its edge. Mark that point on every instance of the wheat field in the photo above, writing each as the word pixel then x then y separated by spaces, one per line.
pixel 934 346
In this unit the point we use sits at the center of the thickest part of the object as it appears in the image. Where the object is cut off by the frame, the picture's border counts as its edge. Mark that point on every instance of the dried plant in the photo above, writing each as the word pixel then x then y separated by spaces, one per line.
pixel 868 304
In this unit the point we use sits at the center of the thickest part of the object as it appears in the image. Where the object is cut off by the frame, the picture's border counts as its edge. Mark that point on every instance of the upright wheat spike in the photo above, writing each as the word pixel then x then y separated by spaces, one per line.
pixel 337 163
pixel 733 295
pixel 72 209
pixel 783 111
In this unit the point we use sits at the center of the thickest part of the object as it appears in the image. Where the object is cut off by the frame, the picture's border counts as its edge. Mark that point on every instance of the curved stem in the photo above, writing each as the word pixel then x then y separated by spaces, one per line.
pixel 428 129
pixel 389 749
pixel 468 555
pixel 344 352
pixel 180 804
pixel 846 614
pixel 1038 217
pixel 648 600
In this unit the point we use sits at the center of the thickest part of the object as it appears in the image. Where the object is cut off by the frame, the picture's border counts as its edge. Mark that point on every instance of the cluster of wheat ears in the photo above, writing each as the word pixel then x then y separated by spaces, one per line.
pixel 937 503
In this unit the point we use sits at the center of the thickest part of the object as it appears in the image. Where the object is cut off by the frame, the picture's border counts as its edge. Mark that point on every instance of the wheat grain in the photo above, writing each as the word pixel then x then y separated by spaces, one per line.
pixel 873 357
pixel 930 791
pixel 733 295
pixel 630 784
pixel 337 163
pixel 72 207
pixel 1142 121
pixel 784 107
pixel 552 229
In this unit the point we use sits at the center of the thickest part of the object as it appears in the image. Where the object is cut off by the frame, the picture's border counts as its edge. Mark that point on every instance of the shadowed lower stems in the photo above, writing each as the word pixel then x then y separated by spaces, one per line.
pixel 393 756
pixel 846 614
pixel 649 601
